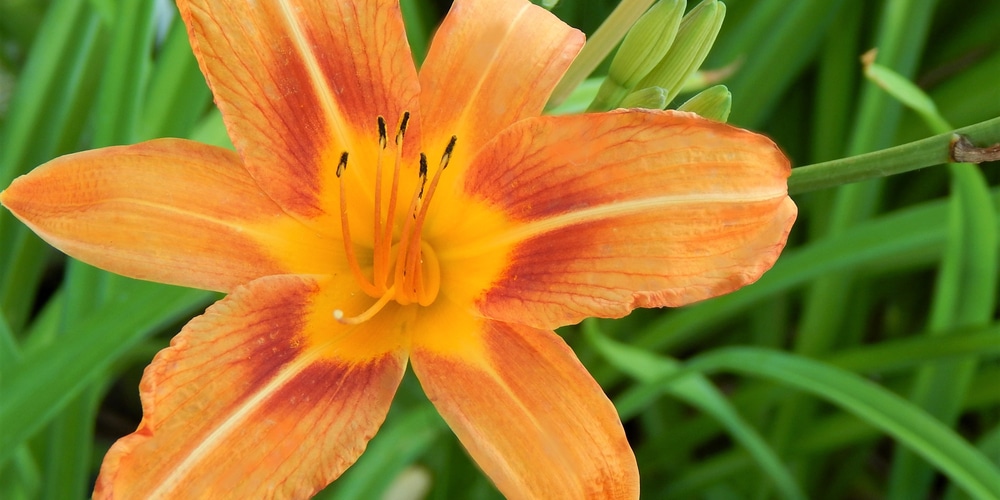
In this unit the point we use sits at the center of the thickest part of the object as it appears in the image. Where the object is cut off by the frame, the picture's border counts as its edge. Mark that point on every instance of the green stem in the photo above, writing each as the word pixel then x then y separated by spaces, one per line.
pixel 927 152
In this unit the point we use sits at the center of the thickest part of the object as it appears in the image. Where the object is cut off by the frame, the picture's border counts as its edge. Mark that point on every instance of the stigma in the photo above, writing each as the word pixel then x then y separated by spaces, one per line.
pixel 405 268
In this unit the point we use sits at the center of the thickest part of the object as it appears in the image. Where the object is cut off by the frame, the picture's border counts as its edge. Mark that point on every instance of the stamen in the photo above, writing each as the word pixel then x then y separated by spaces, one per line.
pixel 383 254
pixel 410 251
pixel 345 228
pixel 408 237
pixel 405 239
pixel 377 232
pixel 367 314
pixel 409 270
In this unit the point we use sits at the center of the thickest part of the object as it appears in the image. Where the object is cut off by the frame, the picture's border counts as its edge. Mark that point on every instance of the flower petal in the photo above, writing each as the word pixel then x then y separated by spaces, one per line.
pixel 298 83
pixel 265 395
pixel 168 210
pixel 491 63
pixel 523 406
pixel 627 209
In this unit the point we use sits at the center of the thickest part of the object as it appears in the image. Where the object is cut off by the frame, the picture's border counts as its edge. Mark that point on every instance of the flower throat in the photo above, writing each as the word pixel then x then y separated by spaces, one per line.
pixel 407 270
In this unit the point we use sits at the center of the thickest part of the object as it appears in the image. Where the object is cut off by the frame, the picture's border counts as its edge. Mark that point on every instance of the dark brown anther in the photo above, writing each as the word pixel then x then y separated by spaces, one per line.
pixel 381 132
pixel 963 151
pixel 423 174
pixel 402 126
pixel 446 157
pixel 342 165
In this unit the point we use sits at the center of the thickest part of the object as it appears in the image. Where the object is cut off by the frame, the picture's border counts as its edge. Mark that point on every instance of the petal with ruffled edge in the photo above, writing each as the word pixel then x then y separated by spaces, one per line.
pixel 625 209
pixel 265 395
pixel 298 83
pixel 491 63
pixel 523 406
pixel 168 210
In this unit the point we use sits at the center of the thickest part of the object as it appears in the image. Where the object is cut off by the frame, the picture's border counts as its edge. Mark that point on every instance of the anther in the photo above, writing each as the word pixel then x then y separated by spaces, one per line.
pixel 377 231
pixel 381 132
pixel 423 175
pixel 402 126
pixel 342 165
pixel 446 157
pixel 383 250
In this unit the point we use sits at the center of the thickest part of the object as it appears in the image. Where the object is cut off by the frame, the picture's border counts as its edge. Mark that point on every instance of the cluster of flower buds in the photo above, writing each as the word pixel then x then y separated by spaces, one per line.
pixel 644 46
pixel 660 54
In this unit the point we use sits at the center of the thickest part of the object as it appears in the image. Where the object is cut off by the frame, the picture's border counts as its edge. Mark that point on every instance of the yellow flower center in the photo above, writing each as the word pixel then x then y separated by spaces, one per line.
pixel 408 270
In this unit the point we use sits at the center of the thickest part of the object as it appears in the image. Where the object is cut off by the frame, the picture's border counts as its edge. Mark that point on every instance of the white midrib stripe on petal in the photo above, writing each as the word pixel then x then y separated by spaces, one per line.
pixel 534 228
pixel 316 77
pixel 236 420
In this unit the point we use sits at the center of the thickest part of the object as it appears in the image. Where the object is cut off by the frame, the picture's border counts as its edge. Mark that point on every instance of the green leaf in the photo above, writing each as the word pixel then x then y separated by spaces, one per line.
pixel 907 93
pixel 46 379
pixel 404 438
pixel 774 44
pixel 53 95
pixel 579 99
pixel 119 99
pixel 697 391
pixel 965 292
pixel 10 352
pixel 910 425
pixel 177 96
pixel 61 40
pixel 68 445
pixel 20 477
pixel 904 354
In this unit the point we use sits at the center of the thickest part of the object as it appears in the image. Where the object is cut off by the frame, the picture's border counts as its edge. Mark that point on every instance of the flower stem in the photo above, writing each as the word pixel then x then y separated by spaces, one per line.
pixel 934 150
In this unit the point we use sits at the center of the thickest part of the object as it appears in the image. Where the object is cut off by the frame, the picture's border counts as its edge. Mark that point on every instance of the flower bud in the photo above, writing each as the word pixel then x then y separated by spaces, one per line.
pixel 649 98
pixel 647 42
pixel 713 103
pixel 695 38
pixel 607 36
pixel 642 49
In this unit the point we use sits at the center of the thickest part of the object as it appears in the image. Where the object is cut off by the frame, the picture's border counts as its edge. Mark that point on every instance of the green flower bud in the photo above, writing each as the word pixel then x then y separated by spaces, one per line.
pixel 713 103
pixel 600 44
pixel 647 42
pixel 649 98
pixel 642 49
pixel 695 38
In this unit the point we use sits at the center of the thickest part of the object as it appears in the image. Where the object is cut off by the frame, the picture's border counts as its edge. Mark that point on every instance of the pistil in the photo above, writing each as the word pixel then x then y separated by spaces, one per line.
pixel 368 314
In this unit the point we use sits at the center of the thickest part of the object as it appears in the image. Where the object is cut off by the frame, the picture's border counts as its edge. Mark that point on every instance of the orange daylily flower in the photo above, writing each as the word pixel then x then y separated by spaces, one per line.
pixel 374 215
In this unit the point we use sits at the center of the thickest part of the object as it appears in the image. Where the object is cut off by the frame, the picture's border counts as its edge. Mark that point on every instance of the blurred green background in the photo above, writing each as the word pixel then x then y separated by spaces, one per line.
pixel 864 365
